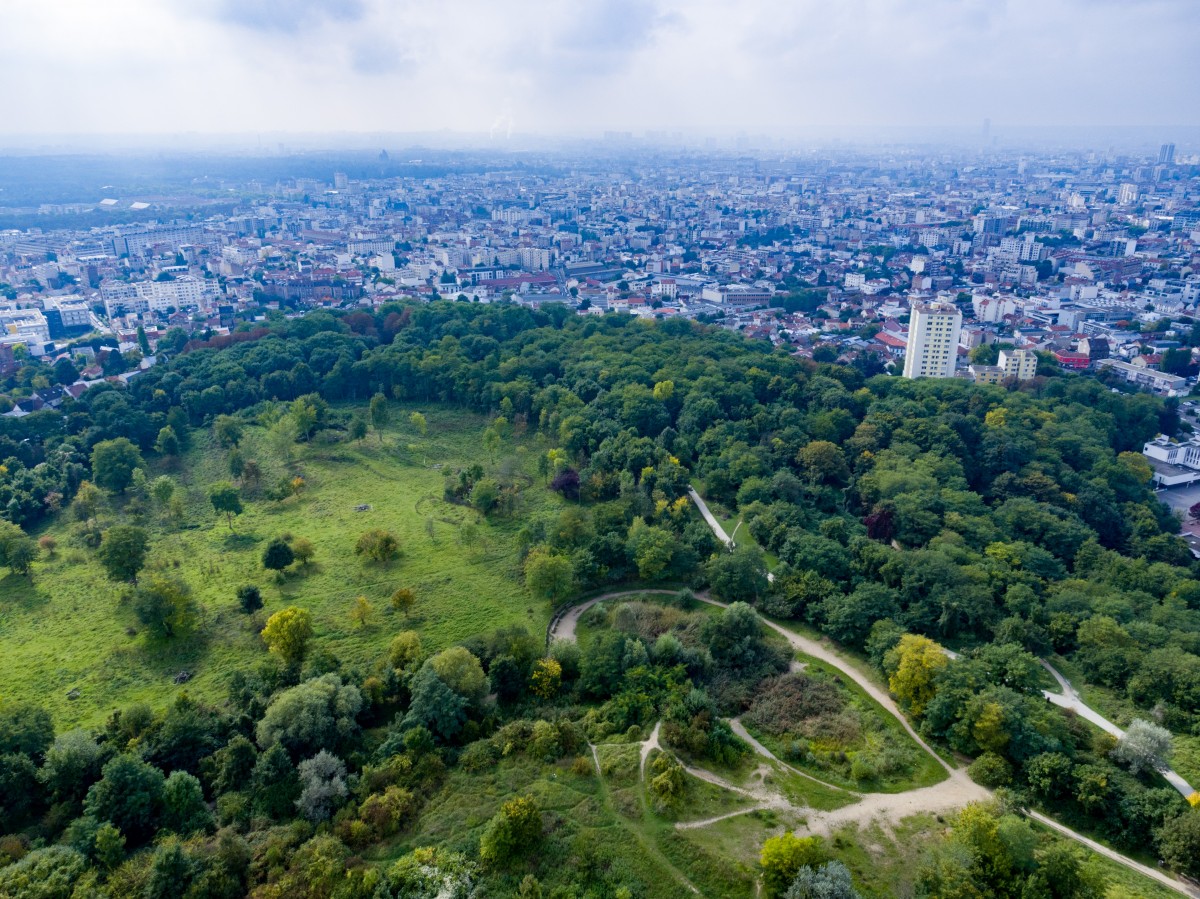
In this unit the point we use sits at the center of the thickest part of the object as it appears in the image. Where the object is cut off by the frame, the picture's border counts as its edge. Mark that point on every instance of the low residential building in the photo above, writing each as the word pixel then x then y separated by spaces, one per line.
pixel 986 374
pixel 1156 381
pixel 1020 364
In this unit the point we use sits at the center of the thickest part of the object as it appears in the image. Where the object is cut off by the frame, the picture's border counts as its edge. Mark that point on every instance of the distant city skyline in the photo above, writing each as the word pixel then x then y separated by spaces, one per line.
pixel 790 71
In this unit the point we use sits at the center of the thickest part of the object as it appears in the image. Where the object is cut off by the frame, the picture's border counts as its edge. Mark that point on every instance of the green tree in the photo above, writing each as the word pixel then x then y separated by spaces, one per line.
pixel 380 414
pixel 184 811
pixel 1178 842
pixel 485 495
pixel 320 713
pixel 165 606
pixel 49 873
pixel 237 463
pixel 358 428
pixel 228 431
pixel 249 598
pixel 226 499
pixel 17 550
pixel 122 551
pixel 278 555
pixel 650 547
pixel 435 706
pixel 128 795
pixel 113 462
pixel 108 847
pixel 162 489
pixel 287 633
pixel 823 463
pixel 739 576
pixel 25 729
pixel 274 785
pixel 419 424
pixel 548 574
pixel 167 442
pixel 512 832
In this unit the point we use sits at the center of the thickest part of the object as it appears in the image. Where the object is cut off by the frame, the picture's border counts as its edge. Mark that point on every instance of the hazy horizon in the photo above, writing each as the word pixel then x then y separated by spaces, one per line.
pixel 780 73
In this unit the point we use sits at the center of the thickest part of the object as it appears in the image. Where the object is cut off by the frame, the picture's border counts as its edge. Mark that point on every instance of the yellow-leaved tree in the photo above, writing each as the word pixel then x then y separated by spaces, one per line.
pixel 911 665
pixel 287 633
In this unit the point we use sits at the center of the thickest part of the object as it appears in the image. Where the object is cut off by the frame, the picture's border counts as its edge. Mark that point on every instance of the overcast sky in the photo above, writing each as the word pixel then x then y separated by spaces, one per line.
pixel 784 67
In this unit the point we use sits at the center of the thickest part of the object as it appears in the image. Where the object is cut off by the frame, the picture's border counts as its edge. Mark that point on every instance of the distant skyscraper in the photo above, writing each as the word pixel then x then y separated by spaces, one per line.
pixel 340 181
pixel 1166 154
pixel 933 330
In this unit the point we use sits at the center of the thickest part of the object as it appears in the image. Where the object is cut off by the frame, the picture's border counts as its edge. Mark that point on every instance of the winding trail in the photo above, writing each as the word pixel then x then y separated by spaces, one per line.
pixel 738 728
pixel 953 793
pixel 1069 698
pixel 635 833
pixel 648 746
pixel 563 624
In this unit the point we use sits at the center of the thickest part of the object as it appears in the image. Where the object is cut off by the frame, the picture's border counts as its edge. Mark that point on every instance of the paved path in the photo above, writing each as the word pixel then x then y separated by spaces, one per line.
pixel 708 516
pixel 1069 698
pixel 562 626
pixel 1153 873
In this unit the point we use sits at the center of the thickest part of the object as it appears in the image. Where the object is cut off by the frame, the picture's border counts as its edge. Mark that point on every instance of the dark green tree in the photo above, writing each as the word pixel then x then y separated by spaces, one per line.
pixel 122 551
pixel 113 462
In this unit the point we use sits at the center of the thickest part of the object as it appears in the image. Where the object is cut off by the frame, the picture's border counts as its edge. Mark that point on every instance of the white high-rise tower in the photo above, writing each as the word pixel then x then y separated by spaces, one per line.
pixel 933 330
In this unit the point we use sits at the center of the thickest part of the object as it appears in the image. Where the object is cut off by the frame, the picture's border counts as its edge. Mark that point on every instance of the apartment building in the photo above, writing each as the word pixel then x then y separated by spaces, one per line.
pixel 933 332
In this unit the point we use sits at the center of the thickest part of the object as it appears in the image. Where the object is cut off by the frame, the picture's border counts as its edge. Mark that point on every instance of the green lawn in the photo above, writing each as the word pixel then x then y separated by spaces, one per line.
pixel 68 630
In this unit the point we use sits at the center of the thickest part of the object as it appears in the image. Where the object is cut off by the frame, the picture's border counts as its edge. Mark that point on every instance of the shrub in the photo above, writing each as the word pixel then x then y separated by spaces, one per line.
pixel 991 770
pixel 512 832
pixel 783 856
pixel 783 702
pixel 377 545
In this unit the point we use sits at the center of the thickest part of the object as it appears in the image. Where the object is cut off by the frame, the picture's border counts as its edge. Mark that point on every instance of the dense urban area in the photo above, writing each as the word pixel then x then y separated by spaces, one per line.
pixel 629 522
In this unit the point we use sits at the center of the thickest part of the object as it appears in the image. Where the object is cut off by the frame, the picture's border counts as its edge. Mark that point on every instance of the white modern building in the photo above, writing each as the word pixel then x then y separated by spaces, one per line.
pixel 1174 462
pixel 25 327
pixel 933 332
pixel 185 292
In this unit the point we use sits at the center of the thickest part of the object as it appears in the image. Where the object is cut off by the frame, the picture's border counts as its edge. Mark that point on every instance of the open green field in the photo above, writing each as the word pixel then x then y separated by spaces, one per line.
pixel 68 630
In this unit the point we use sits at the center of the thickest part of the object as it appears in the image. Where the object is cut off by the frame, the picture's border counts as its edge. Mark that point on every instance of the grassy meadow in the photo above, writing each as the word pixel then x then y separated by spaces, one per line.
pixel 68 629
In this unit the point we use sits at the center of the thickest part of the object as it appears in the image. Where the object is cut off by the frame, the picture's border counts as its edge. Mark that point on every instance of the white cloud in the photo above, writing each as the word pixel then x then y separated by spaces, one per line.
pixel 704 66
